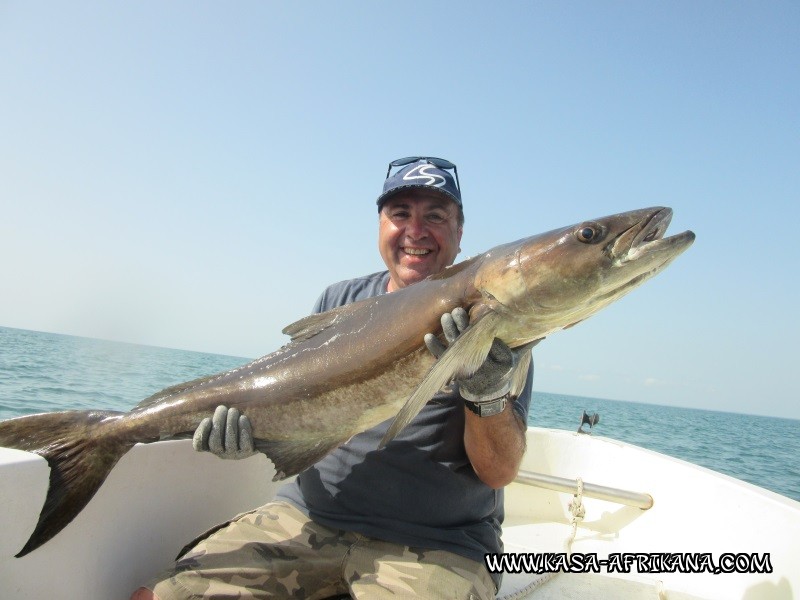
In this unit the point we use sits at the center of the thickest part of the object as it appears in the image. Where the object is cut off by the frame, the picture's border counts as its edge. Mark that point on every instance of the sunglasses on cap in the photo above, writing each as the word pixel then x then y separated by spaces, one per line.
pixel 431 160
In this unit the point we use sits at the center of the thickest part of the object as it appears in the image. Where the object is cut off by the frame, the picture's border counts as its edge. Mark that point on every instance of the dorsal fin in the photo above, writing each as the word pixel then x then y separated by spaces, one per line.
pixel 309 326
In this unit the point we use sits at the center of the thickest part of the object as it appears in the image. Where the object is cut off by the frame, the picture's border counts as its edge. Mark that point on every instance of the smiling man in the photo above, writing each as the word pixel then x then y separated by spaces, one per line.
pixel 413 519
pixel 421 222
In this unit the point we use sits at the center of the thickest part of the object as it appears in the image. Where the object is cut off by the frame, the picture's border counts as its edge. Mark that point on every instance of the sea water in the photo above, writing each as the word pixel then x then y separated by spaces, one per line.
pixel 43 372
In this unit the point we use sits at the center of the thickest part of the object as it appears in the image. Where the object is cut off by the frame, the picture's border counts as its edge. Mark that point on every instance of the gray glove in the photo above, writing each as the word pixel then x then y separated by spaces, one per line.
pixel 493 378
pixel 227 434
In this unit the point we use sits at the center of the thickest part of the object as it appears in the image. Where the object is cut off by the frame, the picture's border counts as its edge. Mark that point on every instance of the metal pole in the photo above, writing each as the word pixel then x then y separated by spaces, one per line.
pixel 591 490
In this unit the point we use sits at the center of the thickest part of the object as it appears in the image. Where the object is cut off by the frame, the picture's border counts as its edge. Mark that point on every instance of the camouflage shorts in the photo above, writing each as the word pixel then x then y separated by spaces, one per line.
pixel 278 552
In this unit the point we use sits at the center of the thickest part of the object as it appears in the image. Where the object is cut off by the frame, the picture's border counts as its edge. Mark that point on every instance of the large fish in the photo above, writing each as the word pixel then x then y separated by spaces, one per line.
pixel 353 367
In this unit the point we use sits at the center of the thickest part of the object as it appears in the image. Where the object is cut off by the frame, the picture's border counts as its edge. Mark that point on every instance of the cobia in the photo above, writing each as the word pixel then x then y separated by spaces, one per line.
pixel 346 370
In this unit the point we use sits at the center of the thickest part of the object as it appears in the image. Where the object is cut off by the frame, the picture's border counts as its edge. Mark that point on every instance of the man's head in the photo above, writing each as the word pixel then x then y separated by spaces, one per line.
pixel 421 220
pixel 423 172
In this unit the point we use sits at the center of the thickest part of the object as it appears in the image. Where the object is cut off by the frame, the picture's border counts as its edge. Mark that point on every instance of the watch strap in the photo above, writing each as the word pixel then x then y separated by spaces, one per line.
pixel 487 409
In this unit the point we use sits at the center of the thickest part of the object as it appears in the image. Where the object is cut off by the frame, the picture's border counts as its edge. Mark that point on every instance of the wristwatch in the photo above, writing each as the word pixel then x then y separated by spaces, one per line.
pixel 487 409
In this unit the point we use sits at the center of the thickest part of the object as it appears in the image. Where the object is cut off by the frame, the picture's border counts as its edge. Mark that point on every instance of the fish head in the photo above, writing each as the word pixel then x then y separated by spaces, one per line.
pixel 554 280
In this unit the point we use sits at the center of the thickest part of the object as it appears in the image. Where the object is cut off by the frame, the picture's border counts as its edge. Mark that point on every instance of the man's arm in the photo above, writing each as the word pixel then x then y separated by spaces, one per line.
pixel 495 443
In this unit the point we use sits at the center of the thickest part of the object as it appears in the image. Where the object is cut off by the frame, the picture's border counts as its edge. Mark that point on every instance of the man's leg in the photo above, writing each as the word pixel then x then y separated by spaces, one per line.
pixel 272 552
pixel 382 570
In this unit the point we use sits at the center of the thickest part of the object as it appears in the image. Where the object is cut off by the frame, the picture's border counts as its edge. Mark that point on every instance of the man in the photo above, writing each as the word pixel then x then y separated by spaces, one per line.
pixel 413 519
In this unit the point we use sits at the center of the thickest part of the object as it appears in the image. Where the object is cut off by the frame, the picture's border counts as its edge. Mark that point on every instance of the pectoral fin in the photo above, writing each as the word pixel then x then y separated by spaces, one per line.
pixel 462 358
pixel 520 375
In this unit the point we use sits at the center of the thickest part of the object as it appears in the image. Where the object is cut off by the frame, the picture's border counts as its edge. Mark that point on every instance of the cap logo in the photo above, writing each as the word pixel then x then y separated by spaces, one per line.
pixel 421 172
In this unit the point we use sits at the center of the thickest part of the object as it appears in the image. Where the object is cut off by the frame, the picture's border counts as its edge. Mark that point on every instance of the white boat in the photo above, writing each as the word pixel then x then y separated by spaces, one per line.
pixel 162 495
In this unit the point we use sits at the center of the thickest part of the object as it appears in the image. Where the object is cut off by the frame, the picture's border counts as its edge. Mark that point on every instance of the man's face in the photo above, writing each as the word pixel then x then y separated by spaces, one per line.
pixel 419 235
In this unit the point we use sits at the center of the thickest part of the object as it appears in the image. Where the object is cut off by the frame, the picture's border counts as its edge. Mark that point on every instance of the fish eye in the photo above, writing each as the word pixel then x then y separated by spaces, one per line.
pixel 587 234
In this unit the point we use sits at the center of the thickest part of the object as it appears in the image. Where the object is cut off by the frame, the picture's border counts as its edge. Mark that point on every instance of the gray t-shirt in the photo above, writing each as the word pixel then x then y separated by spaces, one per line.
pixel 420 490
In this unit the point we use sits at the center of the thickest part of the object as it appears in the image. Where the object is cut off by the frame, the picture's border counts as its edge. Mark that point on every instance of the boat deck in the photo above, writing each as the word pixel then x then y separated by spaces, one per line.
pixel 153 502
pixel 551 537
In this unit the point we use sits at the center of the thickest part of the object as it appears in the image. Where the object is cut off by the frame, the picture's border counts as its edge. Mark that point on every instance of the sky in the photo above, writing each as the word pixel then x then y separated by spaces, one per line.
pixel 193 174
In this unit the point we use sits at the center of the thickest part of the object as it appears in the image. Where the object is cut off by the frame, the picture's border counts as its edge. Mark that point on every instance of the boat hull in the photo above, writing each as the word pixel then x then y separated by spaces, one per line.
pixel 159 497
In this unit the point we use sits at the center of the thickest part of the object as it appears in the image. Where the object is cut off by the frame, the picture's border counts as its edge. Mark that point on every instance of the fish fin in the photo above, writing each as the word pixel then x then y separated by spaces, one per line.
pixel 290 457
pixel 520 375
pixel 174 390
pixel 309 326
pixel 462 358
pixel 79 461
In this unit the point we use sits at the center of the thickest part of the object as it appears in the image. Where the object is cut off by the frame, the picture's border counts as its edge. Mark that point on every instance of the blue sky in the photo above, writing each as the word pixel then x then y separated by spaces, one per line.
pixel 193 174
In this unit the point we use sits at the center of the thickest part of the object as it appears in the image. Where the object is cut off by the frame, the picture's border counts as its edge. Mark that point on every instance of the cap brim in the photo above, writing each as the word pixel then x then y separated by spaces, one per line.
pixel 386 195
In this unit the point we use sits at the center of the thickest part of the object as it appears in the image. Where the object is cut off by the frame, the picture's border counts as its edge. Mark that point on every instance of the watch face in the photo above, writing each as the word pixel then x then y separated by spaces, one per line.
pixel 493 408
pixel 487 409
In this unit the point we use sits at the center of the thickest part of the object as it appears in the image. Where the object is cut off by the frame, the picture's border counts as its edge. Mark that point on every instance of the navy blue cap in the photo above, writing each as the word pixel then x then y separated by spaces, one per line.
pixel 421 175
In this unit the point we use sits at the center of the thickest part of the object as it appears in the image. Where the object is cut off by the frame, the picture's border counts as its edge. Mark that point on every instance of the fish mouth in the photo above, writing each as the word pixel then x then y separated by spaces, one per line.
pixel 646 239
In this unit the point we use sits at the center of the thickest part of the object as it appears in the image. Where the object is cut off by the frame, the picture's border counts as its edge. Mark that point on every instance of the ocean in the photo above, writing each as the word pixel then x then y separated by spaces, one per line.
pixel 42 372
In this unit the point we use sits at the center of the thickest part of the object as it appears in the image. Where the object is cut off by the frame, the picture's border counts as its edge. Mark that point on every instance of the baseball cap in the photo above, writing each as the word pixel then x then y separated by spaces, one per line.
pixel 422 172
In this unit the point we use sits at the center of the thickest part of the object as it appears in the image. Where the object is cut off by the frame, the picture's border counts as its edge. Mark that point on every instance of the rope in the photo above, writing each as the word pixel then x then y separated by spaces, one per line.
pixel 523 592
pixel 578 511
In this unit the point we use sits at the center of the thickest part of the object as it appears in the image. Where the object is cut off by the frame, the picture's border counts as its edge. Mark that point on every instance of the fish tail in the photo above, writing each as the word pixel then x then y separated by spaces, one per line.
pixel 81 449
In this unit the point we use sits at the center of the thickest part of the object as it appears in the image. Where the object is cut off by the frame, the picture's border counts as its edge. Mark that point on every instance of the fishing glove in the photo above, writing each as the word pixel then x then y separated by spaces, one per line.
pixel 227 434
pixel 493 378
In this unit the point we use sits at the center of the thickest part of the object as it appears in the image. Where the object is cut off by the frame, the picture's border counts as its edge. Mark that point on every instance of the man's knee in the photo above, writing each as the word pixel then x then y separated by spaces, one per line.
pixel 144 594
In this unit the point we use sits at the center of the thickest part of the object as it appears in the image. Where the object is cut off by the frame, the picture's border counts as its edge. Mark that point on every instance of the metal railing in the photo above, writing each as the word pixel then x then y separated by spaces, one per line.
pixel 590 490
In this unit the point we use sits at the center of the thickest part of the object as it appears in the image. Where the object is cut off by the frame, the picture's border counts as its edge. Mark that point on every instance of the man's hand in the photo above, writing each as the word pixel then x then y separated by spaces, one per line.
pixel 227 434
pixel 493 378
pixel 494 445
